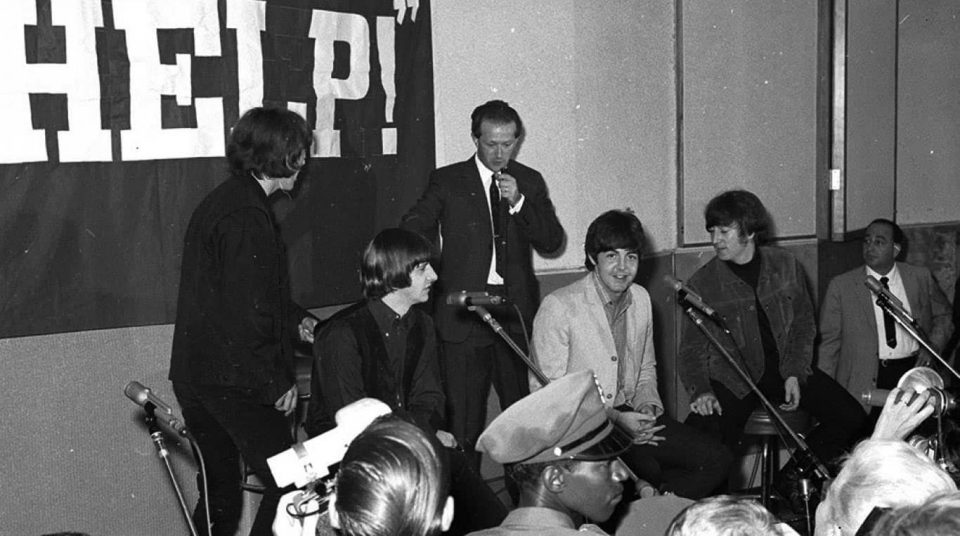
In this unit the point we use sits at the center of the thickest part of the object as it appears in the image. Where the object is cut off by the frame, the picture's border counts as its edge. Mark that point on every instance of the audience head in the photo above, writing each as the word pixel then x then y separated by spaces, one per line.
pixel 561 448
pixel 724 515
pixel 269 143
pixel 742 210
pixel 883 242
pixel 610 231
pixel 392 260
pixel 879 473
pixel 939 515
pixel 392 482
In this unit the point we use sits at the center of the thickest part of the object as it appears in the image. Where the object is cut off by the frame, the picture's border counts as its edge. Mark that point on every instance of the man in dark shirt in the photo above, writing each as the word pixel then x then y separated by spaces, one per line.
pixel 384 348
pixel 762 293
pixel 232 362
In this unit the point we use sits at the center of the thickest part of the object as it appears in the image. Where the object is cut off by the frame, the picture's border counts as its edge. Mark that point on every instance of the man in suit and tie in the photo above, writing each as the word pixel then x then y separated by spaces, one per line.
pixel 489 211
pixel 861 346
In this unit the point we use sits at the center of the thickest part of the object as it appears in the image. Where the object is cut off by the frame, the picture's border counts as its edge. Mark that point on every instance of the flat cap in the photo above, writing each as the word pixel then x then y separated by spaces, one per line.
pixel 564 420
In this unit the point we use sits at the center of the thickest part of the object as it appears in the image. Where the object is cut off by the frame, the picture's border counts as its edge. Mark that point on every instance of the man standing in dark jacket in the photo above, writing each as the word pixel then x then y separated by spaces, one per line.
pixel 232 361
pixel 489 211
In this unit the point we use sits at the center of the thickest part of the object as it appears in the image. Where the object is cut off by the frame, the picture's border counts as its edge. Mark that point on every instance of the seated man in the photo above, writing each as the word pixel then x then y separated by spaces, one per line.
pixel 384 348
pixel 861 346
pixel 561 449
pixel 603 322
pixel 763 294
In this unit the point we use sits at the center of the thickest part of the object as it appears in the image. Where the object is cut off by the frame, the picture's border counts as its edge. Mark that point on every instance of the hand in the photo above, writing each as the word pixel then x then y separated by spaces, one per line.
pixel 791 394
pixel 307 325
pixel 902 412
pixel 924 360
pixel 288 402
pixel 447 439
pixel 647 409
pixel 508 188
pixel 706 404
pixel 641 427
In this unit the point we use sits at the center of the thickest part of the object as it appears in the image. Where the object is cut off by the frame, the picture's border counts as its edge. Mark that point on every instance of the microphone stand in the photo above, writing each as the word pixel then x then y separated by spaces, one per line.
pixel 485 315
pixel 912 327
pixel 806 459
pixel 157 435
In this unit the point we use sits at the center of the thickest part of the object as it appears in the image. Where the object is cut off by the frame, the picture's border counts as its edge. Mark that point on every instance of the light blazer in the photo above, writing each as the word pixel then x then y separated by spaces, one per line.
pixel 571 333
pixel 848 329
pixel 455 204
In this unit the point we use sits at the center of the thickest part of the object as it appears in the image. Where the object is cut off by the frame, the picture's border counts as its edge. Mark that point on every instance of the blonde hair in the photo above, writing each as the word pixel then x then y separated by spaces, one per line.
pixel 882 473
pixel 723 515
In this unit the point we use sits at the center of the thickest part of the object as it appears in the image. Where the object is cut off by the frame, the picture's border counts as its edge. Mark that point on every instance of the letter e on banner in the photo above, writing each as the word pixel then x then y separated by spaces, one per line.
pixel 149 79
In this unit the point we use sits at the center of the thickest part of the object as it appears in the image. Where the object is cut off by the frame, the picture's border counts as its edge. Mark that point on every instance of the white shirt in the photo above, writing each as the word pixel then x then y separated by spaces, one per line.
pixel 486 176
pixel 906 344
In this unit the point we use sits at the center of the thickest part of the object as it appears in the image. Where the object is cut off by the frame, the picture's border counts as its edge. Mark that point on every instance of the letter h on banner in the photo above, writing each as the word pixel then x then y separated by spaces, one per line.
pixel 77 78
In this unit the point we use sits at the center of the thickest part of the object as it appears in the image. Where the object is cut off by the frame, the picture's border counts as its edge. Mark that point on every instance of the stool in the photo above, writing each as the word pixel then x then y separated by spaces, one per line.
pixel 763 425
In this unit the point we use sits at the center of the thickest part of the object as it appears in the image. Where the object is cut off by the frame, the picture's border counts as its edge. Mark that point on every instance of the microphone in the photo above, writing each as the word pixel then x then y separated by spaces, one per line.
pixel 470 299
pixel 877 288
pixel 875 398
pixel 164 414
pixel 694 299
pixel 141 395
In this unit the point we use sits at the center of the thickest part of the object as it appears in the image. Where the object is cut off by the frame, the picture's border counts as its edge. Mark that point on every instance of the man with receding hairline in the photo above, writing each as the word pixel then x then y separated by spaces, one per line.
pixel 489 211
pixel 860 346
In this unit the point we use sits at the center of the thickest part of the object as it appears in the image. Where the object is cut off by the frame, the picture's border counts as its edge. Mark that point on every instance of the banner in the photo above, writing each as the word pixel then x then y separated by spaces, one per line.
pixel 116 115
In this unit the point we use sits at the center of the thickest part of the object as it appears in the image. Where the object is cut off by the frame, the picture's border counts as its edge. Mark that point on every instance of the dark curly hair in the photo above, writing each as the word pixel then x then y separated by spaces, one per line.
pixel 269 143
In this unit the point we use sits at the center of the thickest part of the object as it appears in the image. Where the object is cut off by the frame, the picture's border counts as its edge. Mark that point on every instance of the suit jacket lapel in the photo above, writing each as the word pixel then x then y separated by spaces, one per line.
pixel 597 313
pixel 912 287
pixel 867 302
pixel 473 185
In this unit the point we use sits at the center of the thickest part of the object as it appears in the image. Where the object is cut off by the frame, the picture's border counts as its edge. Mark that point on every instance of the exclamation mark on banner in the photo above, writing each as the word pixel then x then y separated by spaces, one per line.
pixel 385 47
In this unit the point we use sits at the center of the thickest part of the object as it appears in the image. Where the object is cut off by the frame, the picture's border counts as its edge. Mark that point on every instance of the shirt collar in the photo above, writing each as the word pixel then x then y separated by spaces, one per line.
pixel 486 174
pixel 892 275
pixel 385 316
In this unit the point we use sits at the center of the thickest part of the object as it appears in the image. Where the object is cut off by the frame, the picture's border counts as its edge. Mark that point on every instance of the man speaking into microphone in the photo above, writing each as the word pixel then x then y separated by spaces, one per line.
pixel 487 213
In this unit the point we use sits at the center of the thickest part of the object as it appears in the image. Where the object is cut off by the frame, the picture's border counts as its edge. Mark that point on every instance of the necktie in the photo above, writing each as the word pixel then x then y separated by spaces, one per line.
pixel 496 205
pixel 889 329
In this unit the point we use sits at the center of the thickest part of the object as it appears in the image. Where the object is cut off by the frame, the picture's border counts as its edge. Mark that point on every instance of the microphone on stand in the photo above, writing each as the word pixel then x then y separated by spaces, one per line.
pixel 473 299
pixel 884 294
pixel 164 413
pixel 688 295
pixel 877 288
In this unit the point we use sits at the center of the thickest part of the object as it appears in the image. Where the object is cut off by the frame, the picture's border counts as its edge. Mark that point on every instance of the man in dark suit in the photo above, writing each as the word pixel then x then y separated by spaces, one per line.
pixel 489 211
pixel 860 348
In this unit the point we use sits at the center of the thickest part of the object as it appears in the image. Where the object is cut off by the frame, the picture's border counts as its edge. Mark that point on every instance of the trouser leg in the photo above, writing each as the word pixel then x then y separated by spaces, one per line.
pixel 466 369
pixel 841 419
pixel 234 423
